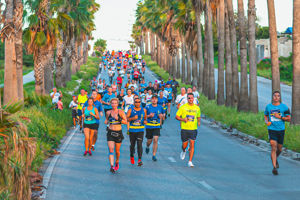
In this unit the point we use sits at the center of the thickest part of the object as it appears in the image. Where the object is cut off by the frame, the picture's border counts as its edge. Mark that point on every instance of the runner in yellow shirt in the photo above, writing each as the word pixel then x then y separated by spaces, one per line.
pixel 82 98
pixel 189 116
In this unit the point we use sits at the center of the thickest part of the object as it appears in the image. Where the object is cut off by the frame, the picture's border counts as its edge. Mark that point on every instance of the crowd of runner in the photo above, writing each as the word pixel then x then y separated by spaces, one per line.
pixel 142 106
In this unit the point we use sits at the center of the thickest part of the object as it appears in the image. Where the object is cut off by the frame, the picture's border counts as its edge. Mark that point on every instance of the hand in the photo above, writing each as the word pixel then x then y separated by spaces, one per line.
pixel 151 114
pixel 135 117
pixel 199 123
pixel 277 116
pixel 101 114
pixel 268 123
pixel 185 120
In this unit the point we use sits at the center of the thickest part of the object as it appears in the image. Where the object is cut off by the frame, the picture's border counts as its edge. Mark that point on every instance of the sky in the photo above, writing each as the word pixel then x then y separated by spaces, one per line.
pixel 115 18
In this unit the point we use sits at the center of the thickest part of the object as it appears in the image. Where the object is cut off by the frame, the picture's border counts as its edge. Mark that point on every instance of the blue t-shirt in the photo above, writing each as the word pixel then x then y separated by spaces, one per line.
pixel 154 122
pixel 97 105
pixel 161 101
pixel 138 124
pixel 106 98
pixel 143 86
pixel 282 110
pixel 169 90
pixel 169 82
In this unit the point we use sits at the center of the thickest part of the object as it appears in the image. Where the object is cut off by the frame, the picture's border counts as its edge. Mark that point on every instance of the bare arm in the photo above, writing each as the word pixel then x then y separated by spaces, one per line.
pixel 124 120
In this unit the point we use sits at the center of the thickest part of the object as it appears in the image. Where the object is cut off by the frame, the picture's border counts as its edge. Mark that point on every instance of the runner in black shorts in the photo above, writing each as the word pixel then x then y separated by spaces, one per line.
pixel 276 114
pixel 114 118
pixel 154 119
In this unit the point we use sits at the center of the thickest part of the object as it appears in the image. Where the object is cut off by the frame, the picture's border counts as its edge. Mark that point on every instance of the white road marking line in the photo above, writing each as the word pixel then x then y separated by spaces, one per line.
pixel 172 159
pixel 206 185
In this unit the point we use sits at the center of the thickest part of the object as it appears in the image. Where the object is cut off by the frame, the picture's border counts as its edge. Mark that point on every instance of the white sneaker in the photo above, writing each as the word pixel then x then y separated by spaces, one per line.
pixel 190 164
pixel 182 155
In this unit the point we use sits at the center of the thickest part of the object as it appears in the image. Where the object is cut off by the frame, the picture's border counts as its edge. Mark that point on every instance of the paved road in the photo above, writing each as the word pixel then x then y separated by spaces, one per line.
pixel 225 168
pixel 26 78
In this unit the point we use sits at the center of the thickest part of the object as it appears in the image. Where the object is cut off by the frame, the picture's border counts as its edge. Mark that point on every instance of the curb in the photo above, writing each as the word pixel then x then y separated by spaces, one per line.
pixel 248 138
pixel 50 168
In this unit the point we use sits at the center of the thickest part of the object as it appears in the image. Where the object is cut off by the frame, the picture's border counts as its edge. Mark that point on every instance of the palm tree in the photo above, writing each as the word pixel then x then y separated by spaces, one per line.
pixel 235 76
pixel 10 71
pixel 228 72
pixel 211 91
pixel 296 64
pixel 243 104
pixel 183 60
pixel 273 47
pixel 252 57
pixel 221 44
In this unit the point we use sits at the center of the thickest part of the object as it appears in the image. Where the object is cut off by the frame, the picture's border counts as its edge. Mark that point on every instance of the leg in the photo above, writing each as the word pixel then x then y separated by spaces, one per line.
pixel 86 138
pixel 155 144
pixel 184 145
pixel 132 138
pixel 118 146
pixel 169 108
pixel 91 138
pixel 111 147
pixel 149 141
pixel 279 150
pixel 95 137
pixel 192 149
pixel 80 121
pixel 140 144
pixel 273 152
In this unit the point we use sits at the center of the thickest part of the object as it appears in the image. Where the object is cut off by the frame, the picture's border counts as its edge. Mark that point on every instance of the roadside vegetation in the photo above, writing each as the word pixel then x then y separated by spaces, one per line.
pixel 246 122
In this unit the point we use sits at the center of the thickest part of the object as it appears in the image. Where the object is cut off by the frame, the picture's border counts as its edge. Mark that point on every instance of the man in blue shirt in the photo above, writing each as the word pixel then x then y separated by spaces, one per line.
pixel 97 105
pixel 276 114
pixel 106 99
pixel 170 97
pixel 154 119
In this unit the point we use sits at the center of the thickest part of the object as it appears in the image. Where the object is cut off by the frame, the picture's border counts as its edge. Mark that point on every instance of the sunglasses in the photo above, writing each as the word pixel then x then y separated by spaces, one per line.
pixel 137 102
pixel 190 97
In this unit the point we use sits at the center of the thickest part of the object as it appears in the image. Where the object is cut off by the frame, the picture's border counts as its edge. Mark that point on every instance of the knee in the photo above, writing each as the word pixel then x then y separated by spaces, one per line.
pixel 274 147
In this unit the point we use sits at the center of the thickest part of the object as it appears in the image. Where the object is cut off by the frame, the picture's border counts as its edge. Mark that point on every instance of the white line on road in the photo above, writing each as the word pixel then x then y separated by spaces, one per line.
pixel 172 159
pixel 206 185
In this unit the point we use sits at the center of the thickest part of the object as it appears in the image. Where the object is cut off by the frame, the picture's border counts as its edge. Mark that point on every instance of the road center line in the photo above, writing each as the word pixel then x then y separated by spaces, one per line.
pixel 172 159
pixel 206 185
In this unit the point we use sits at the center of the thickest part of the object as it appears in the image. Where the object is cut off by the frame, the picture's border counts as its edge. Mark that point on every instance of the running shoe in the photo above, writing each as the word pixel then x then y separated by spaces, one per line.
pixel 169 115
pixel 147 150
pixel 274 171
pixel 140 163
pixel 132 160
pixel 182 155
pixel 190 164
pixel 154 158
pixel 93 147
pixel 277 164
pixel 116 167
pixel 85 153
pixel 112 170
pixel 90 153
pixel 80 129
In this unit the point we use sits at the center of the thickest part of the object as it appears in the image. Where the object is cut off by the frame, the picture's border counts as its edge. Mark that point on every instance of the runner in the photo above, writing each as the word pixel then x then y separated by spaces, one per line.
pixel 143 98
pixel 55 96
pixel 111 75
pixel 119 82
pixel 154 121
pixel 106 100
pixel 114 118
pixel 93 83
pixel 81 99
pixel 121 97
pixel 175 85
pixel 189 116
pixel 162 101
pixel 128 100
pixel 136 116
pixel 148 97
pixel 180 97
pixel 170 97
pixel 90 125
pixel 195 92
pixel 276 114
pixel 73 105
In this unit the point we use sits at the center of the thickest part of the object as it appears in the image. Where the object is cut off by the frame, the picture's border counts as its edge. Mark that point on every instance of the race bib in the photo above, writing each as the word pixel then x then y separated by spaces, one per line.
pixel 190 118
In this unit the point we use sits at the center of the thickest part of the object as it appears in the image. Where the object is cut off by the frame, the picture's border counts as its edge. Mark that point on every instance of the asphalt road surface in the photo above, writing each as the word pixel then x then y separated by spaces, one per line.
pixel 225 168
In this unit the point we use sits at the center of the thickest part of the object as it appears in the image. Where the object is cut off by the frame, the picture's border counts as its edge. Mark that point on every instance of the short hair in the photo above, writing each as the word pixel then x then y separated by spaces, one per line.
pixel 276 91
pixel 190 94
pixel 114 99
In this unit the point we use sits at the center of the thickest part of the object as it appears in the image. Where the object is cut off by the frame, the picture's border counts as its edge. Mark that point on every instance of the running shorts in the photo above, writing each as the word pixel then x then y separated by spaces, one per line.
pixel 74 113
pixel 188 135
pixel 91 126
pixel 79 113
pixel 150 132
pixel 277 136
pixel 115 136
pixel 169 100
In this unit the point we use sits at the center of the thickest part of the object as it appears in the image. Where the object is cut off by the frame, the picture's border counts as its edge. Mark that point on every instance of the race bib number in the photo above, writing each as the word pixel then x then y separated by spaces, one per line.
pixel 273 118
pixel 190 118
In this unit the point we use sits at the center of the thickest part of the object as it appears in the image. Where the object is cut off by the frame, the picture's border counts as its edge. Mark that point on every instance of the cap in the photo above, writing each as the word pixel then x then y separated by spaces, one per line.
pixel 154 96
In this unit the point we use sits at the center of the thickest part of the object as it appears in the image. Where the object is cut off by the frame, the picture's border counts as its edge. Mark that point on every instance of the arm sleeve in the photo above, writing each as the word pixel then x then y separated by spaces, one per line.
pixel 287 112
pixel 266 111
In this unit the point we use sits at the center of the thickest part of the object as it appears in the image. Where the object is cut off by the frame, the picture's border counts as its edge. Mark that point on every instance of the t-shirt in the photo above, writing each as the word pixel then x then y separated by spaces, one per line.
pixel 128 101
pixel 169 90
pixel 179 98
pixel 100 87
pixel 196 94
pixel 154 122
pixel 136 74
pixel 143 86
pixel 161 101
pixel 60 105
pixel 142 96
pixel 282 110
pixel 165 93
pixel 55 98
pixel 97 105
pixel 190 112
pixel 106 98
pixel 148 99
pixel 81 100
pixel 73 105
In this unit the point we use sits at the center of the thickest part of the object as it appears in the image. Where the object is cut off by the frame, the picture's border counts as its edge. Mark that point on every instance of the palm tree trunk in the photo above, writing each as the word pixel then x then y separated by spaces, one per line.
pixel 10 69
pixel 142 44
pixel 273 47
pixel 174 64
pixel 234 58
pixel 221 37
pixel 157 49
pixel 194 70
pixel 147 42
pixel 59 76
pixel 296 64
pixel 243 104
pixel 178 72
pixel 206 65
pixel 252 56
pixel 211 92
pixel 74 55
pixel 200 51
pixel 228 72
pixel 67 63
pixel 40 61
pixel 151 45
pixel 188 60
pixel 48 72
pixel 183 60
pixel 85 49
pixel 18 14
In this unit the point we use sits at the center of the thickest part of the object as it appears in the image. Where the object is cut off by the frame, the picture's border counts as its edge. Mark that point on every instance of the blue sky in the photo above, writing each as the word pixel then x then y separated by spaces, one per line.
pixel 115 18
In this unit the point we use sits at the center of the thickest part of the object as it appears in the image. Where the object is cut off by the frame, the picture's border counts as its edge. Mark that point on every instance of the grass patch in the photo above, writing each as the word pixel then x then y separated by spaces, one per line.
pixel 246 122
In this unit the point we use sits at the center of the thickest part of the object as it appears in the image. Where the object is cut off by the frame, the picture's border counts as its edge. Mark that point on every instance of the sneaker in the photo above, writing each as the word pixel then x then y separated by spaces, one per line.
pixel 132 160
pixel 93 148
pixel 154 158
pixel 140 163
pixel 147 150
pixel 182 155
pixel 85 153
pixel 116 167
pixel 80 129
pixel 112 170
pixel 274 171
pixel 90 153
pixel 190 164
pixel 277 164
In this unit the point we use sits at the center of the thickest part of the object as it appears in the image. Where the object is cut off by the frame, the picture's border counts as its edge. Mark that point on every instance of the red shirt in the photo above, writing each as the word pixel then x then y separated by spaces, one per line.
pixel 136 74
pixel 124 66
pixel 126 55
pixel 120 54
pixel 119 80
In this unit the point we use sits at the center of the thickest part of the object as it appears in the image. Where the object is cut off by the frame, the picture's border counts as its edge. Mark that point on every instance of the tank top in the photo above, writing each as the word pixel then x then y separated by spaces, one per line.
pixel 138 124
pixel 89 119
pixel 113 121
